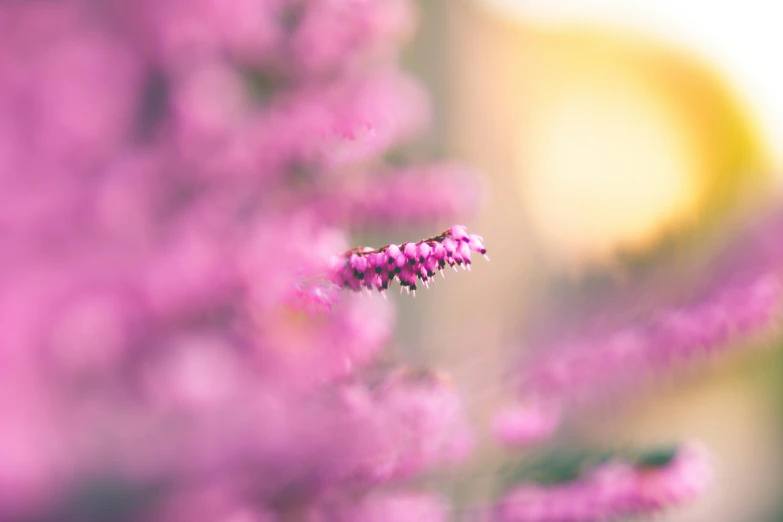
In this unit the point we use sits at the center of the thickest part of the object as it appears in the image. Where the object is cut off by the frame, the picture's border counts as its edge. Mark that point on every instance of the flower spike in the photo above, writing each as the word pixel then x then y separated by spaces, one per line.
pixel 408 263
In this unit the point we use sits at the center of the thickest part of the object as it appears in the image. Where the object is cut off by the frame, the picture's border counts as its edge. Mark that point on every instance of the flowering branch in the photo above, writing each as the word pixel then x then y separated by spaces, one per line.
pixel 407 263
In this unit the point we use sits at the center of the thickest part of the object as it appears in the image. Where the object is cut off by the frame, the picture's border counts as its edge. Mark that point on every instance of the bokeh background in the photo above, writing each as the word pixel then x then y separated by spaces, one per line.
pixel 620 144
pixel 619 141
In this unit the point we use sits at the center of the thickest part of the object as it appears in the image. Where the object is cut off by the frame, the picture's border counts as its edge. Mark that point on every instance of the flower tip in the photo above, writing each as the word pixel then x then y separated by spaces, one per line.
pixel 411 261
pixel 459 232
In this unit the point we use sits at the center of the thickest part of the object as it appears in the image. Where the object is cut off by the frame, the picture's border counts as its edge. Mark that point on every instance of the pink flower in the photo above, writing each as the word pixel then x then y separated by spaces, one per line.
pixel 409 262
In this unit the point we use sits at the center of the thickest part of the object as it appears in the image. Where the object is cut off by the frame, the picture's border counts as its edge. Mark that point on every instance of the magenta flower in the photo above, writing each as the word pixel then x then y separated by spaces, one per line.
pixel 407 263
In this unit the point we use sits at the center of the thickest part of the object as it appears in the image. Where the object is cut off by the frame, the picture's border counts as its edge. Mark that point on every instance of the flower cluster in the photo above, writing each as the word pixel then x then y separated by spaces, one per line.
pixel 407 263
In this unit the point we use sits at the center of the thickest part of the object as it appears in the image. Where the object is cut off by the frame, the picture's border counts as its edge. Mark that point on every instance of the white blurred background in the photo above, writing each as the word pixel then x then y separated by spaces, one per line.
pixel 739 38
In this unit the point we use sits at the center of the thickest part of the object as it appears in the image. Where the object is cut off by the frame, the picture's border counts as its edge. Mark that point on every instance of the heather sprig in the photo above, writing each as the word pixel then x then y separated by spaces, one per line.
pixel 407 263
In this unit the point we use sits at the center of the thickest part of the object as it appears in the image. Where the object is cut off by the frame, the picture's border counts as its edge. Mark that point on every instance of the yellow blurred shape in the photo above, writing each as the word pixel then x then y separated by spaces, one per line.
pixel 621 140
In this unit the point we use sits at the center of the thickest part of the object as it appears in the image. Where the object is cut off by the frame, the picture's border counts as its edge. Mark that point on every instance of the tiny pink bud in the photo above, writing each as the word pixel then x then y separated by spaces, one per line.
pixel 385 278
pixel 476 244
pixel 393 251
pixel 424 250
pixel 377 261
pixel 438 252
pixel 450 245
pixel 463 252
pixel 430 264
pixel 459 232
pixel 373 280
pixel 407 277
pixel 410 251
pixel 359 264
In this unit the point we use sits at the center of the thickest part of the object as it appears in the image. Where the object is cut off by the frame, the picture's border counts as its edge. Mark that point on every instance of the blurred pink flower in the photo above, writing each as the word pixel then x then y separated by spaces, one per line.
pixel 612 490
pixel 174 347
pixel 526 423
pixel 738 299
